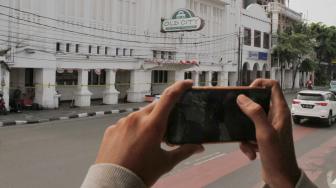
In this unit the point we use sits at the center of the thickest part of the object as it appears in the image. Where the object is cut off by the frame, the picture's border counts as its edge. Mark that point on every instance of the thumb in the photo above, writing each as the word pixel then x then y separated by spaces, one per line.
pixel 184 152
pixel 256 113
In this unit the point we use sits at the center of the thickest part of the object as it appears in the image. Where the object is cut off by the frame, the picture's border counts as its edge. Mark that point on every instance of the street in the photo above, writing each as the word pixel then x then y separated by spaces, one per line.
pixel 58 154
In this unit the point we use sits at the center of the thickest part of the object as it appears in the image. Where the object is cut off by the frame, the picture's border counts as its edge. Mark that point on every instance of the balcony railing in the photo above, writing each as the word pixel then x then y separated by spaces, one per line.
pixel 282 9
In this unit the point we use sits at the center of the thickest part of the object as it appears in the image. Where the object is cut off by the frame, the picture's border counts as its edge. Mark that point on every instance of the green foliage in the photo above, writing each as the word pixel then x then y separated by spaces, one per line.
pixel 308 65
pixel 295 44
pixel 326 41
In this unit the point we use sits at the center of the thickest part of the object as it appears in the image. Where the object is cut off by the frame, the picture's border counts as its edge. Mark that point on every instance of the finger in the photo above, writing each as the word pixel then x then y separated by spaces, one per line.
pixel 255 112
pixel 277 98
pixel 248 151
pixel 148 109
pixel 169 97
pixel 184 152
pixel 253 145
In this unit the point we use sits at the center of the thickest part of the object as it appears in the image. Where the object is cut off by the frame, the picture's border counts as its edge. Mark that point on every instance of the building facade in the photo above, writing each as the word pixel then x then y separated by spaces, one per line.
pixel 114 50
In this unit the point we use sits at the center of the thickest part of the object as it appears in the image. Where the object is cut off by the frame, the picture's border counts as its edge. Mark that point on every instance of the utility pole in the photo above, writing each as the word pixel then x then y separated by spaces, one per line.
pixel 239 59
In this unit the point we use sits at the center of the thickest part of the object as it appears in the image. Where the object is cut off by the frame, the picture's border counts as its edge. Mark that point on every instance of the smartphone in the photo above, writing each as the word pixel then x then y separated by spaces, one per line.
pixel 212 115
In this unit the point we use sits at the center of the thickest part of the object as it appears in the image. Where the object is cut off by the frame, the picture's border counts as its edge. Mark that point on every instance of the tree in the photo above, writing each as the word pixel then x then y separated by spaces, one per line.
pixel 325 45
pixel 295 44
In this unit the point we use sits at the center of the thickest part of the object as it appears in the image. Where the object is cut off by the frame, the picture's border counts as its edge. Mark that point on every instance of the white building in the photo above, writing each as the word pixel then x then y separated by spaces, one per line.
pixel 282 17
pixel 113 49
pixel 256 43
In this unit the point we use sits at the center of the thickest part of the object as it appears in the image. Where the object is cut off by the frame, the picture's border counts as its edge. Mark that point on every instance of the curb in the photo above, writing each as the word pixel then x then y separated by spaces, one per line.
pixel 76 116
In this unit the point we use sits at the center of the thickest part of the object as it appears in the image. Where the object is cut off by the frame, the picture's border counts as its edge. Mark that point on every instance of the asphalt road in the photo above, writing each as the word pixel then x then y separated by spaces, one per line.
pixel 58 154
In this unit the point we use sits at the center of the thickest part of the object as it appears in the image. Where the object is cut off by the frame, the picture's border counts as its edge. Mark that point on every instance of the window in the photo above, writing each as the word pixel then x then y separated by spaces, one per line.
pixel 187 75
pixel 171 55
pixel 155 53
pixel 67 47
pixel 58 47
pixel 131 52
pixel 160 77
pixel 257 39
pixel 98 49
pixel 117 51
pixel 29 77
pixel 124 51
pixel 310 97
pixel 247 37
pixel 106 50
pixel 67 78
pixel 102 77
pixel 77 48
pixel 163 55
pixel 90 49
pixel 97 79
pixel 93 78
pixel 266 41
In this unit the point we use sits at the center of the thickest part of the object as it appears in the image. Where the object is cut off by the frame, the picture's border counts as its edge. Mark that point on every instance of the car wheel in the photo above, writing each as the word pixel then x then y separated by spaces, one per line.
pixel 329 121
pixel 296 120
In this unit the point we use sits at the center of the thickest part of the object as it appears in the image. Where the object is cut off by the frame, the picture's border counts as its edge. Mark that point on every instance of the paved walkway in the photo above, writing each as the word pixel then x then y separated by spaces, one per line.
pixel 65 112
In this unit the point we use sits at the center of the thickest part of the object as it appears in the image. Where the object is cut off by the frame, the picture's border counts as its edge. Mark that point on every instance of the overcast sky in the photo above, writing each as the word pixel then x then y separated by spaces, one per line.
pixel 318 10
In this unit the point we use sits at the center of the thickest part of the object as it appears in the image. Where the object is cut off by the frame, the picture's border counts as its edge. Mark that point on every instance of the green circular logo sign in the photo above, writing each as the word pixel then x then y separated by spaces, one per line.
pixel 182 20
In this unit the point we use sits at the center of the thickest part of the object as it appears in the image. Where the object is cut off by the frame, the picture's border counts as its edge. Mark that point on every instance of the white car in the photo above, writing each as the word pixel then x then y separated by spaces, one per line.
pixel 157 97
pixel 314 104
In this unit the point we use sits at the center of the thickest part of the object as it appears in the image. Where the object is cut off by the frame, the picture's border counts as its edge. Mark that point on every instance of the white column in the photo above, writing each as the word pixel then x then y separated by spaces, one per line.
pixel 140 85
pixel 195 77
pixel 110 95
pixel 208 78
pixel 4 79
pixel 273 74
pixel 45 92
pixel 179 75
pixel 297 80
pixel 83 95
pixel 233 78
pixel 223 79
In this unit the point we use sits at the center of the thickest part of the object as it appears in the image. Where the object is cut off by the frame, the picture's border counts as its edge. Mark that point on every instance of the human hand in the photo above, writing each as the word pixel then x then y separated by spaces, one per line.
pixel 274 137
pixel 134 142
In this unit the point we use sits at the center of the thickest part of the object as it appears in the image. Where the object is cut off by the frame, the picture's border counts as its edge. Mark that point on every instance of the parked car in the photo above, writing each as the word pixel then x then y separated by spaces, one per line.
pixel 314 105
pixel 333 86
pixel 157 97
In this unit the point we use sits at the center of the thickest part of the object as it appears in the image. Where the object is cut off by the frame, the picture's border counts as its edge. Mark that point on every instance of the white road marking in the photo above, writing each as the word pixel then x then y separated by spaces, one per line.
pixel 115 111
pixel 212 158
pixel 99 113
pixel 201 158
pixel 82 115
pixel 334 182
pixel 129 110
pixel 20 122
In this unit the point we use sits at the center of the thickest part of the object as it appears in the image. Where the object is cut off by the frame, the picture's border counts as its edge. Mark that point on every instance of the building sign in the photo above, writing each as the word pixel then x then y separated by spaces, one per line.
pixel 252 55
pixel 182 20
pixel 263 56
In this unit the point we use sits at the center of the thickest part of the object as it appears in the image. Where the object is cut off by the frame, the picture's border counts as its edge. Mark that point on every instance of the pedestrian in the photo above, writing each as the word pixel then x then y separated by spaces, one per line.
pixel 16 101
pixel 130 154
pixel 309 84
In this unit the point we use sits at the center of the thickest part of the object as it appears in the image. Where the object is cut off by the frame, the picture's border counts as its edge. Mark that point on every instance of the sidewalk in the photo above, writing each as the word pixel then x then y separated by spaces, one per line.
pixel 65 112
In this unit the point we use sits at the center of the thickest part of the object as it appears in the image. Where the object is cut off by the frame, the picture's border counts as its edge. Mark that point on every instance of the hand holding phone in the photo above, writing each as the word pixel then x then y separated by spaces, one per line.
pixel 211 115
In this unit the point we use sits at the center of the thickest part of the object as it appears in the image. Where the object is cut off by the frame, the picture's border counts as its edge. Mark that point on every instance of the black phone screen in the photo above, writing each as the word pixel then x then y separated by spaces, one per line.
pixel 213 115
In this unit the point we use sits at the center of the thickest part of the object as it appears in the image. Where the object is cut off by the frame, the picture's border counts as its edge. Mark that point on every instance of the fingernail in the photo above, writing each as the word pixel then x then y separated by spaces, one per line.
pixel 242 100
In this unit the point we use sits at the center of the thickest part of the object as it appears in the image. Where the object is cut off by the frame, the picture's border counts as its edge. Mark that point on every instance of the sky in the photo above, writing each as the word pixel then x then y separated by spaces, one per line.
pixel 317 10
